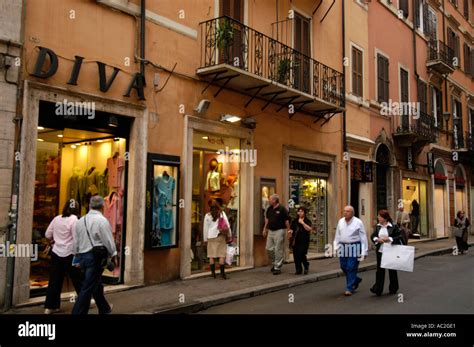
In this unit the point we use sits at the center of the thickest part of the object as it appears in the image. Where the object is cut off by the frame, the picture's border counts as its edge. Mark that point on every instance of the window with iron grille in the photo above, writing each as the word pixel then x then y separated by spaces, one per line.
pixel 382 78
pixel 357 72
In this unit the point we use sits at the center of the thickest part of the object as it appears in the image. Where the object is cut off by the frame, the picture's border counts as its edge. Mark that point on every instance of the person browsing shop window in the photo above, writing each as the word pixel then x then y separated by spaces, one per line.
pixel 299 240
pixel 216 234
pixel 61 232
pixel 93 231
pixel 385 232
pixel 276 221
pixel 350 243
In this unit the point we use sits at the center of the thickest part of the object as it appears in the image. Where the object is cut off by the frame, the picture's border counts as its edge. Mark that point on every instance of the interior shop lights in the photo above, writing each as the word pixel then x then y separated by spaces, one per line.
pixel 230 118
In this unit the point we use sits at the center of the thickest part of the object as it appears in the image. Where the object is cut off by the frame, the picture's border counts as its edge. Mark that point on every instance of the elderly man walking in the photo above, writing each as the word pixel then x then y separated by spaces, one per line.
pixel 277 224
pixel 93 230
pixel 350 244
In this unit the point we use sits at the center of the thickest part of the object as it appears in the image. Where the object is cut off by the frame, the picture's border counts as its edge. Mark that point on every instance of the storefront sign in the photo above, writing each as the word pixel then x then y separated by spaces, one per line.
pixel 309 167
pixel 41 71
pixel 430 162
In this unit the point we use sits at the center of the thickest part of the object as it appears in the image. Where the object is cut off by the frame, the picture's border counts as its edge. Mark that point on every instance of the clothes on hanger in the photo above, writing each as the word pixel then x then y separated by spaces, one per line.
pixel 213 181
pixel 163 201
pixel 102 184
pixel 113 210
pixel 52 171
pixel 115 169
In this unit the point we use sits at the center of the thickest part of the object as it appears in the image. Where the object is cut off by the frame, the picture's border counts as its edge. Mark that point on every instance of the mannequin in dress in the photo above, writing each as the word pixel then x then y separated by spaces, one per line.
pixel 213 181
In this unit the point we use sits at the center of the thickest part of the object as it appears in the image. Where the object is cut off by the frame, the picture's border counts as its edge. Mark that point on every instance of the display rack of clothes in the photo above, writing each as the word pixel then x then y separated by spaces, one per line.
pixel 163 221
pixel 115 170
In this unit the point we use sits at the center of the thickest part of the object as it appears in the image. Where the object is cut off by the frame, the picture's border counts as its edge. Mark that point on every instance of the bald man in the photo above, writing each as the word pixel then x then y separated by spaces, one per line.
pixel 350 244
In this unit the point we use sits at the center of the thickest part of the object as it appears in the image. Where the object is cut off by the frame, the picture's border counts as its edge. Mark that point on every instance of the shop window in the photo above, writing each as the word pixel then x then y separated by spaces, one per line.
pixel 267 189
pixel 162 222
pixel 216 176
pixel 415 203
pixel 76 164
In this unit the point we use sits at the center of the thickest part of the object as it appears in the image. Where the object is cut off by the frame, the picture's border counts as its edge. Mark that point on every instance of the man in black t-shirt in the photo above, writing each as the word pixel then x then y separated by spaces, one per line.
pixel 276 226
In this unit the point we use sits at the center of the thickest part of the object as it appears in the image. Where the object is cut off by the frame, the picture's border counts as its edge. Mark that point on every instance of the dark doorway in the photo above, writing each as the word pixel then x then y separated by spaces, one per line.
pixel 383 162
pixel 355 196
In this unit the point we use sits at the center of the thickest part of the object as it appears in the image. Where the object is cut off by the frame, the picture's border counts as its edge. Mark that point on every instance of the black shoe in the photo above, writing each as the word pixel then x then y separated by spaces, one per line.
pixel 356 285
pixel 306 271
pixel 376 293
pixel 298 272
pixel 272 270
pixel 277 272
pixel 213 270
pixel 393 292
pixel 223 275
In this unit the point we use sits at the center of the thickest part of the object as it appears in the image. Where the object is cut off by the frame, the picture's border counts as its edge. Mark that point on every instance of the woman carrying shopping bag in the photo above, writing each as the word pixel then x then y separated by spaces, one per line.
pixel 462 223
pixel 216 235
pixel 385 233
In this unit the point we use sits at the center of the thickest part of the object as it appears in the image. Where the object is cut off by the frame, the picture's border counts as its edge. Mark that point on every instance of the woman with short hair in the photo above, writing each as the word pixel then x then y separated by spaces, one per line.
pixel 462 222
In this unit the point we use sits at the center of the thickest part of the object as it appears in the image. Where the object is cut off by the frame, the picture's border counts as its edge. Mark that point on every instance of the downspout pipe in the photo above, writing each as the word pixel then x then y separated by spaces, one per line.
pixel 15 191
pixel 142 39
pixel 445 78
pixel 344 128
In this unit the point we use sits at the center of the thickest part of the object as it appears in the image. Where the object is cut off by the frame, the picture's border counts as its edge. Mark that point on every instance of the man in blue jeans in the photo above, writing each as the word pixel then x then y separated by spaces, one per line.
pixel 350 243
pixel 92 230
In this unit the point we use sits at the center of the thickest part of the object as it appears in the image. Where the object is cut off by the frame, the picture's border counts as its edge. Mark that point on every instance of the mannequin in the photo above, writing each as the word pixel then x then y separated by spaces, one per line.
pixel 213 181
pixel 163 221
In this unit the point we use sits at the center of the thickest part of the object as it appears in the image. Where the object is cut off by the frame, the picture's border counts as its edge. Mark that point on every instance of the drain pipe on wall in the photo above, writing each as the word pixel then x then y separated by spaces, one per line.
pixel 142 40
pixel 345 148
pixel 15 190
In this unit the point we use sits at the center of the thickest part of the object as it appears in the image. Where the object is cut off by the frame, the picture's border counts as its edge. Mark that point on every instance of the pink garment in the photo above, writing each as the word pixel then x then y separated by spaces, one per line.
pixel 113 210
pixel 62 230
pixel 115 167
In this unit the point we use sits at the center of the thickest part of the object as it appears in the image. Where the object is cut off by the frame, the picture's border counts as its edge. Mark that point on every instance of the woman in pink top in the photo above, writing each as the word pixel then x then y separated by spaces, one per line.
pixel 61 232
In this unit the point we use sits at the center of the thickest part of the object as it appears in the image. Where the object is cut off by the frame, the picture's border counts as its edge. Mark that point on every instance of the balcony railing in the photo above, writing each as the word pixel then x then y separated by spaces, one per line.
pixel 420 127
pixel 440 56
pixel 227 41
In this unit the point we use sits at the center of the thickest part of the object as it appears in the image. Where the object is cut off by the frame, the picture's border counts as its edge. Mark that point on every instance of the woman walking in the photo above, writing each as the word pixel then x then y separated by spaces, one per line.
pixel 61 231
pixel 299 240
pixel 462 222
pixel 385 233
pixel 216 234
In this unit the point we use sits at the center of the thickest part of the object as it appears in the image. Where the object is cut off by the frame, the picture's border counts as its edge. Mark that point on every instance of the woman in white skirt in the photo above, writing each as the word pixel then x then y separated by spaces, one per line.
pixel 216 239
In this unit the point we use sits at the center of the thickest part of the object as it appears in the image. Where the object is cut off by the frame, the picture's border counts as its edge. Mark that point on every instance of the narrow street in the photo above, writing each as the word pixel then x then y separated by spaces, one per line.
pixel 439 285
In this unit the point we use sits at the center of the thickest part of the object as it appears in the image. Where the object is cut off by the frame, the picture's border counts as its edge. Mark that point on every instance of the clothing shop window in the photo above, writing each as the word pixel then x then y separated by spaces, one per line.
pixel 162 201
pixel 75 164
pixel 415 200
pixel 267 187
pixel 216 176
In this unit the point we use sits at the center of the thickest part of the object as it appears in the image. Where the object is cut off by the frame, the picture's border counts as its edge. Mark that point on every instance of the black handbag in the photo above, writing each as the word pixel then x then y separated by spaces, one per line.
pixel 100 252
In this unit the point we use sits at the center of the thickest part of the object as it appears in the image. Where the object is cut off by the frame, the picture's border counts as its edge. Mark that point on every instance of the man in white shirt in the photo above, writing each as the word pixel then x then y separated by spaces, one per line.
pixel 93 230
pixel 351 244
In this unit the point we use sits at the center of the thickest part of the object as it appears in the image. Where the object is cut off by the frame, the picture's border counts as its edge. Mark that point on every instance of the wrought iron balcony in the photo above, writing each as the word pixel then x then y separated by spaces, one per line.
pixel 418 129
pixel 440 57
pixel 241 58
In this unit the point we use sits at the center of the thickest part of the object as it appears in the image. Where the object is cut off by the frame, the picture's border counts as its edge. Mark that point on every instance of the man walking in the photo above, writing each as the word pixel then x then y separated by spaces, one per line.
pixel 276 226
pixel 350 243
pixel 92 230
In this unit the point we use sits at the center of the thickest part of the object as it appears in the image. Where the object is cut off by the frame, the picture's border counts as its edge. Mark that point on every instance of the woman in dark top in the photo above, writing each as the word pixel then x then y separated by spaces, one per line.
pixel 385 232
pixel 462 223
pixel 299 240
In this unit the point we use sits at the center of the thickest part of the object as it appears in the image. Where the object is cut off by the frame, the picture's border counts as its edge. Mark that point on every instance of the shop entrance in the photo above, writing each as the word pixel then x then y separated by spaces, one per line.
pixel 415 201
pixel 77 158
pixel 441 212
pixel 216 176
pixel 308 188
pixel 460 181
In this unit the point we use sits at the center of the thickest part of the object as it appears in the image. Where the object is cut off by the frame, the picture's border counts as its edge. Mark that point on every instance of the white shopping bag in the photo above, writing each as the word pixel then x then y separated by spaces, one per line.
pixel 229 257
pixel 398 257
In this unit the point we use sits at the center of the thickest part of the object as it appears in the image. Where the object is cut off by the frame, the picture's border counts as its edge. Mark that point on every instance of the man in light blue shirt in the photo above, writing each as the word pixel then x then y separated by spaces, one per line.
pixel 92 230
pixel 351 244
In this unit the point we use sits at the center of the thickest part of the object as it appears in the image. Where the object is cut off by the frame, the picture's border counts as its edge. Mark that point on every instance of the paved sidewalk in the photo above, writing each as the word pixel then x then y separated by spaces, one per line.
pixel 197 294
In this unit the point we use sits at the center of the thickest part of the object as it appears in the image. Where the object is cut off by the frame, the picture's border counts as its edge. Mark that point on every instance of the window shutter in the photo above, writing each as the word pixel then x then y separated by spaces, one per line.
pixel 417 13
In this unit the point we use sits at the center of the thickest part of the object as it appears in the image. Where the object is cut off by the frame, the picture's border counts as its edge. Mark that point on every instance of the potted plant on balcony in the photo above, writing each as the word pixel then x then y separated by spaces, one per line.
pixel 285 65
pixel 225 36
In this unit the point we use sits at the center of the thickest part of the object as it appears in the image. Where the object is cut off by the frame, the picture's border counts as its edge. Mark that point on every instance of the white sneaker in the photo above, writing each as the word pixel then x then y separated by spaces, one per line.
pixel 93 304
pixel 51 310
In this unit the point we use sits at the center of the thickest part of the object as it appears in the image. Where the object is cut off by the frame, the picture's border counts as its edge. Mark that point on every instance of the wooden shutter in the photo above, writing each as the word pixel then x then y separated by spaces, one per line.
pixel 356 72
pixel 404 85
pixel 403 5
pixel 417 13
pixel 382 78
pixel 422 96
pixel 467 59
pixel 466 9
pixel 232 8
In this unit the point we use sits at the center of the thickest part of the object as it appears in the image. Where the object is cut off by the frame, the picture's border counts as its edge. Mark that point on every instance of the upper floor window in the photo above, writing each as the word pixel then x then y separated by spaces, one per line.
pixel 453 43
pixel 382 78
pixel 454 2
pixel 467 59
pixel 403 6
pixel 357 72
pixel 466 9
